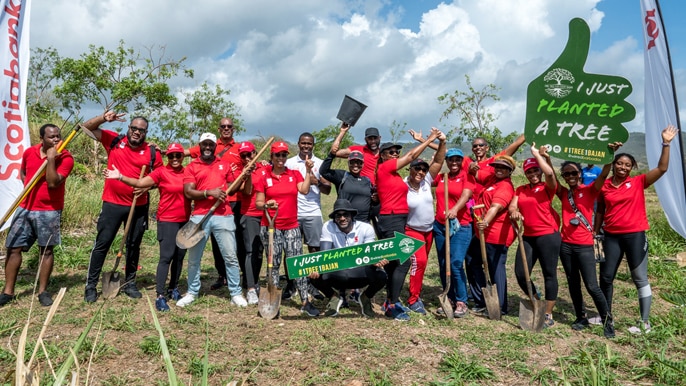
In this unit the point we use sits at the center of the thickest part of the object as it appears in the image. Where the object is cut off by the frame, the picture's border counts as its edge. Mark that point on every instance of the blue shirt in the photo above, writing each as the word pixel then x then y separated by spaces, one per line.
pixel 589 174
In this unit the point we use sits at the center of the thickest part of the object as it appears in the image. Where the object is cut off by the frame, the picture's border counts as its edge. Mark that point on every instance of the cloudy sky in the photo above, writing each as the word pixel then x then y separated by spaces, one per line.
pixel 288 64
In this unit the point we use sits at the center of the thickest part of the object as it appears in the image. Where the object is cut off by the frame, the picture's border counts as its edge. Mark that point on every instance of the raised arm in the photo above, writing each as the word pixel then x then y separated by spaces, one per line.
pixel 514 146
pixel 341 153
pixel 605 171
pixel 93 124
pixel 114 174
pixel 417 150
pixel 419 138
pixel 439 157
pixel 543 160
pixel 654 174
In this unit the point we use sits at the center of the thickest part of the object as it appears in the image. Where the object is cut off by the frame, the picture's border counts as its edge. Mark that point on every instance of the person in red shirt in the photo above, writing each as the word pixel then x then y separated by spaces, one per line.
pixel 251 219
pixel 277 189
pixel 576 251
pixel 130 153
pixel 622 211
pixel 227 150
pixel 172 214
pixel 460 188
pixel 532 204
pixel 370 150
pixel 38 216
pixel 392 191
pixel 495 223
pixel 205 181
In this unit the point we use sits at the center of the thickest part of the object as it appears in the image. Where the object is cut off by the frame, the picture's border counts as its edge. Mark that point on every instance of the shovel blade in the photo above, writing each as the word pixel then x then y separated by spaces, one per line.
pixel 269 302
pixel 111 282
pixel 446 305
pixel 492 301
pixel 189 235
pixel 531 315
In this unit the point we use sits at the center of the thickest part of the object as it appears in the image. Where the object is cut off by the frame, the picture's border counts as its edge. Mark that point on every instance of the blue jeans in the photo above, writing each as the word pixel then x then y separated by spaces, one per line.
pixel 223 228
pixel 459 242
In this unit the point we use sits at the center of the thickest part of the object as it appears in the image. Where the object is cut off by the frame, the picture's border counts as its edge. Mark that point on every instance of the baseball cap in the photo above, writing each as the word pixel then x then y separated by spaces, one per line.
pixel 530 163
pixel 246 147
pixel 418 162
pixel 453 153
pixel 208 137
pixel 389 145
pixel 174 148
pixel 371 132
pixel 356 154
pixel 279 146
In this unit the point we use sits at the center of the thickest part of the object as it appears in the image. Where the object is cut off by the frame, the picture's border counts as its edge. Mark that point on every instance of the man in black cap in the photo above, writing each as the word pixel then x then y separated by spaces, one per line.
pixel 343 231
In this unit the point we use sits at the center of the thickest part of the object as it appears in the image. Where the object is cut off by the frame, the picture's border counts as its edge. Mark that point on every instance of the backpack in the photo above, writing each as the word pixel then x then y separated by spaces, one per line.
pixel 153 150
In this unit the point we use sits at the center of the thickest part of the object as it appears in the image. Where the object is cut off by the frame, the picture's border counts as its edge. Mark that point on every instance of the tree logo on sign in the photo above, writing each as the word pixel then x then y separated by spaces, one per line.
pixel 407 245
pixel 562 82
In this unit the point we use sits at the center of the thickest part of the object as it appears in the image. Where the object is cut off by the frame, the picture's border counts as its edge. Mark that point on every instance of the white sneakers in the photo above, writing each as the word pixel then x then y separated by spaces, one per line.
pixel 186 300
pixel 642 328
pixel 252 297
pixel 239 300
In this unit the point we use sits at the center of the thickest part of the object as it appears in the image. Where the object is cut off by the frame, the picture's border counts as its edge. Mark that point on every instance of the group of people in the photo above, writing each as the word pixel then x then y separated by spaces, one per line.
pixel 373 201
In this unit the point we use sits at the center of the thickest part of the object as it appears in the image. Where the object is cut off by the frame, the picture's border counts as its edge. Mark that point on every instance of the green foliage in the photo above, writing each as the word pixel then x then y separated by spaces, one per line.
pixel 594 364
pixel 459 370
pixel 475 120
pixel 324 138
pixel 663 241
pixel 200 112
pixel 40 100
pixel 122 79
pixel 397 129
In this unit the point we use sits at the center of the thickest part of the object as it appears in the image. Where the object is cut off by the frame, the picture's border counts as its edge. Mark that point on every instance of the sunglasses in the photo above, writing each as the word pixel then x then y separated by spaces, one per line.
pixel 226 126
pixel 393 152
pixel 175 155
pixel 570 174
pixel 281 155
pixel 478 145
pixel 341 214
pixel 423 169
pixel 137 129
pixel 246 155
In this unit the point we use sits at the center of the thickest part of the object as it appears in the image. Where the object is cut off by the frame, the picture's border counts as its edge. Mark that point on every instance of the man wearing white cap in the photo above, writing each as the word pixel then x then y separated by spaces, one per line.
pixel 205 181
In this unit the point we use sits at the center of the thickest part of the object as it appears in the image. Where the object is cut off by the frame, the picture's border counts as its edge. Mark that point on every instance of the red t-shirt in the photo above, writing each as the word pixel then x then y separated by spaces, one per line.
pixel 500 192
pixel 370 162
pixel 231 156
pixel 129 161
pixel 483 167
pixel 248 207
pixel 42 198
pixel 584 199
pixel 535 203
pixel 456 186
pixel 284 189
pixel 173 206
pixel 206 177
pixel 625 205
pixel 391 188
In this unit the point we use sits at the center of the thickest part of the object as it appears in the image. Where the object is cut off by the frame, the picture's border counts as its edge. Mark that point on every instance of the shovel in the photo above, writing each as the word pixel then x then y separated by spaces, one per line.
pixel 191 233
pixel 443 297
pixel 531 311
pixel 490 293
pixel 111 282
pixel 270 300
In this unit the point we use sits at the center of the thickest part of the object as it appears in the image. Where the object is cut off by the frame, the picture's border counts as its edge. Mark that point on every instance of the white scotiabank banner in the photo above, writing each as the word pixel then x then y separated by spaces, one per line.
pixel 660 111
pixel 14 65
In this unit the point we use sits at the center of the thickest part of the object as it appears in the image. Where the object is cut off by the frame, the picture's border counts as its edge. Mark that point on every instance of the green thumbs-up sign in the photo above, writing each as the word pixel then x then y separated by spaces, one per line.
pixel 574 113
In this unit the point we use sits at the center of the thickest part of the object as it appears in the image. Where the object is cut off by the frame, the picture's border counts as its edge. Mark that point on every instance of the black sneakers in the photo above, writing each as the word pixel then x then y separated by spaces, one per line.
pixel 132 291
pixel 609 327
pixel 45 299
pixel 91 295
pixel 5 298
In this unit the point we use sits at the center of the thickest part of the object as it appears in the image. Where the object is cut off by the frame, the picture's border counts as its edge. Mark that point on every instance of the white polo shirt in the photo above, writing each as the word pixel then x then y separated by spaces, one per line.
pixel 421 205
pixel 361 233
pixel 309 205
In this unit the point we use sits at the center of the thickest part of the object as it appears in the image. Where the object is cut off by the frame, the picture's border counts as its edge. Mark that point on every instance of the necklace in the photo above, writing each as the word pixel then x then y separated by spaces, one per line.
pixel 411 185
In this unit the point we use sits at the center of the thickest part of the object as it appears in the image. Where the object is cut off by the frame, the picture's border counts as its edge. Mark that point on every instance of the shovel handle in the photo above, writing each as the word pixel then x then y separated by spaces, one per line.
pixel 447 231
pixel 482 243
pixel 525 262
pixel 128 224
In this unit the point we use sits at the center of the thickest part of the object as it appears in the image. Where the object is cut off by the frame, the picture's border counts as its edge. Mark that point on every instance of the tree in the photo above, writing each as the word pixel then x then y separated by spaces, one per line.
pixel 397 129
pixel 40 100
pixel 123 79
pixel 324 138
pixel 475 118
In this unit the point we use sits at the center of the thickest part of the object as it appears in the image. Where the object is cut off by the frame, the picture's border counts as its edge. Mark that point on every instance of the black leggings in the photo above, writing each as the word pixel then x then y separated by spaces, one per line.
pixel 372 277
pixel 578 262
pixel 170 254
pixel 635 247
pixel 389 224
pixel 544 249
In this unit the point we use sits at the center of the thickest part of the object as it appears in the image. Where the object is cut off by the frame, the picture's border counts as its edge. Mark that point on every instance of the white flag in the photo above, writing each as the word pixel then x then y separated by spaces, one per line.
pixel 14 62
pixel 660 111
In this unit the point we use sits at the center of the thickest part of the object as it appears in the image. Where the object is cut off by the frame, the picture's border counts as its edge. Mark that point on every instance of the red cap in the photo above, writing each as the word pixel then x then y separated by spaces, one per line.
pixel 174 148
pixel 530 163
pixel 246 147
pixel 278 147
